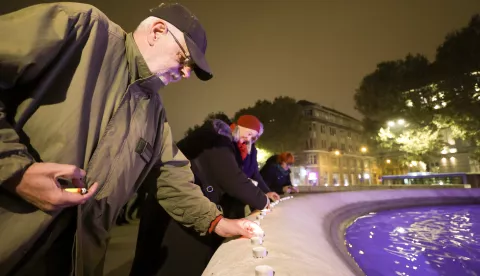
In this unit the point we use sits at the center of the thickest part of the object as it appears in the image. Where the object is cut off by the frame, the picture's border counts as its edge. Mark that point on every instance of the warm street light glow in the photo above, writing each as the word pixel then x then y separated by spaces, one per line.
pixel 391 123
pixel 388 161
pixel 363 149
pixel 337 152
pixel 401 122
pixel 453 150
pixel 414 163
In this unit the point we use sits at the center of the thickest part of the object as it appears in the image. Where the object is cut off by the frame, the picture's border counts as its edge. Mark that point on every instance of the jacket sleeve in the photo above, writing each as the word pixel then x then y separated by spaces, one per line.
pixel 176 192
pixel 220 165
pixel 261 182
pixel 31 38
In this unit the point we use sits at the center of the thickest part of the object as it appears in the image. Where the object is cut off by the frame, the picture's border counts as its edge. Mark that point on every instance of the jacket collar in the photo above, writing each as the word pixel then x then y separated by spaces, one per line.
pixel 137 66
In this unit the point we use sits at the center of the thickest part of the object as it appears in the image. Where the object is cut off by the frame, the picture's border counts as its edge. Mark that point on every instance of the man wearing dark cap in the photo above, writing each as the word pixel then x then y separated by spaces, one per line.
pixel 79 107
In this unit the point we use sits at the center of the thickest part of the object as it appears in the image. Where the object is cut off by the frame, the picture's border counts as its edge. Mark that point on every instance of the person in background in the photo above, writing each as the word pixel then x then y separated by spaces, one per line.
pixel 276 173
pixel 216 152
pixel 248 153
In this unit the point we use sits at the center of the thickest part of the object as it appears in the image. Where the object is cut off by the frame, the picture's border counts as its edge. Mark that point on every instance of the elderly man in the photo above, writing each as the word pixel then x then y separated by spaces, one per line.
pixel 79 106
pixel 217 152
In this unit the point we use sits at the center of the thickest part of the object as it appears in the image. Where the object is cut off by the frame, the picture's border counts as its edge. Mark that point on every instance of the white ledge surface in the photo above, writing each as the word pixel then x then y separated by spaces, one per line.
pixel 298 238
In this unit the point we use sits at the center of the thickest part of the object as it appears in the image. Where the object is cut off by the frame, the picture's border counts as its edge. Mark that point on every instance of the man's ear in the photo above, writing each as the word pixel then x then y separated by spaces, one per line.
pixel 158 28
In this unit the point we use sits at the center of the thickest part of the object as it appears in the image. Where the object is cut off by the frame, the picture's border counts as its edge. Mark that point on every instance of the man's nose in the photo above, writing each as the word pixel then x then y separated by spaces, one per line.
pixel 185 71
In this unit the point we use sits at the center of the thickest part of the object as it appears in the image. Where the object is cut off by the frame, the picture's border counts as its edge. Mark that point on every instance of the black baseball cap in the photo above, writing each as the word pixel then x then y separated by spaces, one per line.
pixel 195 36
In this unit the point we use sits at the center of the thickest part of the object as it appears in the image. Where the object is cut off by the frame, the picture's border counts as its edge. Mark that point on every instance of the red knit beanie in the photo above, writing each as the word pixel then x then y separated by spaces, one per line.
pixel 251 122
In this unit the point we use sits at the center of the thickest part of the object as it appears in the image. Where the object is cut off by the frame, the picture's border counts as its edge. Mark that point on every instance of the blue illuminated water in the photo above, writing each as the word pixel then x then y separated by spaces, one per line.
pixel 420 241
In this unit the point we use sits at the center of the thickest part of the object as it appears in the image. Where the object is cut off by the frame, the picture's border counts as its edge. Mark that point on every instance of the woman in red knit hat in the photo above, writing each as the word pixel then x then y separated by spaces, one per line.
pixel 223 160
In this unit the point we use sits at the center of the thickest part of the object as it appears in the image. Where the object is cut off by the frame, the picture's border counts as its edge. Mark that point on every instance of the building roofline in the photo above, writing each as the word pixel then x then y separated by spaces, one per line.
pixel 308 103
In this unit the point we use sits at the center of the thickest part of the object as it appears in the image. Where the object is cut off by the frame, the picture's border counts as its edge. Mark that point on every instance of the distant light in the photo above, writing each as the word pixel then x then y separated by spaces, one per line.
pixel 436 107
pixel 444 160
pixel 359 176
pixel 453 150
pixel 452 159
pixel 401 122
pixel 414 163
pixel 391 123
pixel 444 151
pixel 303 172
pixel 363 149
pixel 337 152
pixel 312 176
pixel 389 161
pixel 366 176
pixel 440 182
pixel 263 155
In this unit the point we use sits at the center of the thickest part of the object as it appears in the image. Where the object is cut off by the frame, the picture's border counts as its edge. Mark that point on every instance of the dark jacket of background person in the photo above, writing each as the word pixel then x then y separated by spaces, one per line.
pixel 164 247
pixel 275 176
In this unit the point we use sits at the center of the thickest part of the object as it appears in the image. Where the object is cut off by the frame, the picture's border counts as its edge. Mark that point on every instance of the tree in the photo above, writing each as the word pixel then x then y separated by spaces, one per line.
pixel 444 94
pixel 211 116
pixel 285 128
pixel 381 93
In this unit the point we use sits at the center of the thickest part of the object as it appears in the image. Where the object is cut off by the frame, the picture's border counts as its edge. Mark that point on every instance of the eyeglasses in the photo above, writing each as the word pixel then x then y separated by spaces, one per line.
pixel 187 61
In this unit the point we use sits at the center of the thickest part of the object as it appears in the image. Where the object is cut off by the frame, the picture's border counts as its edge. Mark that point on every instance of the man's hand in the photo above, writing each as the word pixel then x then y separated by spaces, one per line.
pixel 290 189
pixel 273 196
pixel 40 187
pixel 237 227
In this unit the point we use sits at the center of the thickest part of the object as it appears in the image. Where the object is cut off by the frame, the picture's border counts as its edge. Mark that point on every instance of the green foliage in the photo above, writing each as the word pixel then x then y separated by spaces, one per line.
pixel 444 94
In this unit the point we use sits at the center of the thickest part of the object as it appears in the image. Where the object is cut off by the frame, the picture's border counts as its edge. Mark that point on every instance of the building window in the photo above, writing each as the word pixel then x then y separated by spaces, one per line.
pixel 322 129
pixel 349 135
pixel 333 131
pixel 324 144
pixel 309 112
pixel 343 147
pixel 312 159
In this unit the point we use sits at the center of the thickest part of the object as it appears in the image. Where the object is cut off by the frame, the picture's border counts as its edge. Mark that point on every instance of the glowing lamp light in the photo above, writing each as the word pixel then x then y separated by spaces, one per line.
pixel 263 155
pixel 312 176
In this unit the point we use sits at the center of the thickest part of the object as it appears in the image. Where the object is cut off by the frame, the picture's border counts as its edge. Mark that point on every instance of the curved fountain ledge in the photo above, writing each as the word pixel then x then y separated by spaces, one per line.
pixel 305 235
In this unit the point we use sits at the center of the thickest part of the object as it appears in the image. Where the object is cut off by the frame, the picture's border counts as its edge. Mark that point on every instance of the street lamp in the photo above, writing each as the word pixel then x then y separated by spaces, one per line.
pixel 391 123
pixel 337 152
pixel 363 149
pixel 388 161
pixel 401 122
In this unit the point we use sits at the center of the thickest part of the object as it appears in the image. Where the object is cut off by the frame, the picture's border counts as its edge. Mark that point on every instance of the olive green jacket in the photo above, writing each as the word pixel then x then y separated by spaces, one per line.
pixel 74 89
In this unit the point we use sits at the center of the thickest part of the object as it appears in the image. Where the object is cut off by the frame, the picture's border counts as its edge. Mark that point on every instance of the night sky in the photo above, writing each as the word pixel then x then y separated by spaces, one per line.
pixel 313 50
